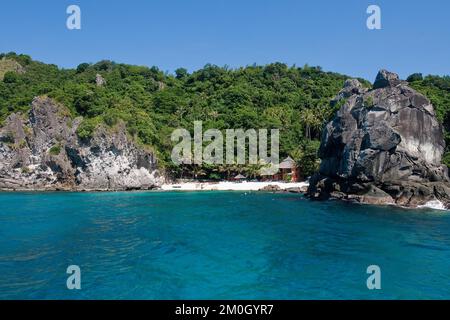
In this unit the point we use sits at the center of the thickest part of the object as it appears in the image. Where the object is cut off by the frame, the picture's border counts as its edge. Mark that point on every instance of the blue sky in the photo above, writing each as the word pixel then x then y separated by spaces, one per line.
pixel 190 33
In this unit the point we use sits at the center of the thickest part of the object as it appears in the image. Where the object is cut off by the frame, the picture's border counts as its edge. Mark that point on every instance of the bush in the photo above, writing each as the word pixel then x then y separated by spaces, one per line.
pixel 82 67
pixel 23 144
pixel 214 176
pixel 446 159
pixel 10 77
pixel 415 77
pixel 111 117
pixel 86 129
pixel 55 150
pixel 181 73
pixel 25 170
pixel 368 103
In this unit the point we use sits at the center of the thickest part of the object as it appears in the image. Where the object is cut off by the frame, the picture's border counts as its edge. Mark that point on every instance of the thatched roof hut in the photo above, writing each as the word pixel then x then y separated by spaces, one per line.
pixel 287 163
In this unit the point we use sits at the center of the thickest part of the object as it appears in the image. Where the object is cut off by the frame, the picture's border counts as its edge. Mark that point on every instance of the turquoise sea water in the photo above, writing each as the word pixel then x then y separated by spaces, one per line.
pixel 217 245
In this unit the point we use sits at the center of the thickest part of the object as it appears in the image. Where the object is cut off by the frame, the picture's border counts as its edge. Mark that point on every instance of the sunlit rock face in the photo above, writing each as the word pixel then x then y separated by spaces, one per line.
pixel 379 138
pixel 42 151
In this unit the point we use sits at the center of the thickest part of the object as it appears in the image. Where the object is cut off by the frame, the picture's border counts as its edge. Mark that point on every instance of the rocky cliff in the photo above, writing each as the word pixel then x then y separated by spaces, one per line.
pixel 384 146
pixel 41 151
pixel 8 65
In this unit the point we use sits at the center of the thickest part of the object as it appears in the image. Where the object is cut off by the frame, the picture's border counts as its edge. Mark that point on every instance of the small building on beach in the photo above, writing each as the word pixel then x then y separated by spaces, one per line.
pixel 240 177
pixel 288 171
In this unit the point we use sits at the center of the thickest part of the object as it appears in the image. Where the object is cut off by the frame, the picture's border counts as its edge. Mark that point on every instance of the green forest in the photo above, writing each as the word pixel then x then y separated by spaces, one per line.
pixel 152 103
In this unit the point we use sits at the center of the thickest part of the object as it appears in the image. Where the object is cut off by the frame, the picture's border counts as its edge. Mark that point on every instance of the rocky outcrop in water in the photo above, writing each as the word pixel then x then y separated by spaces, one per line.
pixel 42 151
pixel 384 146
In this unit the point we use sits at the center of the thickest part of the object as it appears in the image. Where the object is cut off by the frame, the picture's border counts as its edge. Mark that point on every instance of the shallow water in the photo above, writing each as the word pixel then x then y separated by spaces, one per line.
pixel 217 245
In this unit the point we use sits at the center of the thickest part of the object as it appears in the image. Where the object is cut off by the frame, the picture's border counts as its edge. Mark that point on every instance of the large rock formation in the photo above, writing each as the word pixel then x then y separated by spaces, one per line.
pixel 43 152
pixel 384 146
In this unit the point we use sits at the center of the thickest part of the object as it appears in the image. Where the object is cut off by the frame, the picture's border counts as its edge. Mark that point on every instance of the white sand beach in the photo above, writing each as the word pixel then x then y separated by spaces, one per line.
pixel 232 186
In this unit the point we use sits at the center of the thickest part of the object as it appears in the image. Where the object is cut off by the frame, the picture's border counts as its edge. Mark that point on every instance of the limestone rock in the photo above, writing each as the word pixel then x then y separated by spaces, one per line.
pixel 351 87
pixel 99 80
pixel 380 138
pixel 386 79
pixel 43 152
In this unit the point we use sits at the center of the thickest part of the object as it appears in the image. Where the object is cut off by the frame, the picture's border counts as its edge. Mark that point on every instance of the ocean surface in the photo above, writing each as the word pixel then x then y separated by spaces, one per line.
pixel 217 245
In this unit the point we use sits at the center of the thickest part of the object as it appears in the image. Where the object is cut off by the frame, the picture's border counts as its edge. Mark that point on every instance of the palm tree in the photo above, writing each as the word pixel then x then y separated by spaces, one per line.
pixel 252 170
pixel 197 171
pixel 225 169
pixel 311 122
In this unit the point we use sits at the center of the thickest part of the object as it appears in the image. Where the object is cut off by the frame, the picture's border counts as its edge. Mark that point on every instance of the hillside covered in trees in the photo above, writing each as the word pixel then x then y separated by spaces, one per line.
pixel 153 103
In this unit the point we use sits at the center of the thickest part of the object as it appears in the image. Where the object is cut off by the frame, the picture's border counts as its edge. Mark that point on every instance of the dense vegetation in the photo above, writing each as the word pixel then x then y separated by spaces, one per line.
pixel 437 89
pixel 153 103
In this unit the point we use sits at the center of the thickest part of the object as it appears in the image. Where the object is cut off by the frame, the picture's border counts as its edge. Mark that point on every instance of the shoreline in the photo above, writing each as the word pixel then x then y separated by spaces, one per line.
pixel 299 187
pixel 270 186
pixel 236 186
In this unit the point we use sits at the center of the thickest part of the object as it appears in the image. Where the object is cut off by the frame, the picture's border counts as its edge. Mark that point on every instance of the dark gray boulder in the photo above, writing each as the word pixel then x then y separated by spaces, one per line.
pixel 386 79
pixel 386 138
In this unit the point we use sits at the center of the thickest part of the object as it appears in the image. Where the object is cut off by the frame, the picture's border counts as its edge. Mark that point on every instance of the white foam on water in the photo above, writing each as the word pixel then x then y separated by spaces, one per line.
pixel 434 204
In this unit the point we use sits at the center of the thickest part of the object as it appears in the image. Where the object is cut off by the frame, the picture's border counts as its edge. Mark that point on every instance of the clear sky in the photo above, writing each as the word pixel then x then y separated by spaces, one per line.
pixel 415 35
